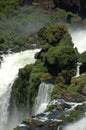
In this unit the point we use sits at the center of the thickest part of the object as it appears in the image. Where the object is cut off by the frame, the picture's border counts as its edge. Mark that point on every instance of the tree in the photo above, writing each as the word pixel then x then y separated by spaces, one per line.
pixel 57 52
pixel 52 34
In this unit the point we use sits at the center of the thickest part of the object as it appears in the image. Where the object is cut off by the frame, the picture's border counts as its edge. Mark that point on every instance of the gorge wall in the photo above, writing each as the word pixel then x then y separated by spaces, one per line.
pixel 75 6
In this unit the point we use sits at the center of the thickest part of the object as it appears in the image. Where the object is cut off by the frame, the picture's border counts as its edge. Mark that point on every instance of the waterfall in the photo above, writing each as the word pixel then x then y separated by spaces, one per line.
pixel 43 98
pixel 79 39
pixel 78 69
pixel 8 73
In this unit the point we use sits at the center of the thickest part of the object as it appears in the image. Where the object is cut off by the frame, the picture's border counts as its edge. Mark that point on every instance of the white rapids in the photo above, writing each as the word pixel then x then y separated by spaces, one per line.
pixel 8 72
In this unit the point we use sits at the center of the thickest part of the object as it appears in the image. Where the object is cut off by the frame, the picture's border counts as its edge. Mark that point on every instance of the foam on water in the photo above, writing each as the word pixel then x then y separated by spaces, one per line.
pixel 8 72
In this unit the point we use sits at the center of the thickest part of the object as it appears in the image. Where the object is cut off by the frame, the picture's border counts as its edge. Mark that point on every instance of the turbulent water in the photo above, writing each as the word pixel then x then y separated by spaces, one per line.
pixel 43 98
pixel 8 72
pixel 79 40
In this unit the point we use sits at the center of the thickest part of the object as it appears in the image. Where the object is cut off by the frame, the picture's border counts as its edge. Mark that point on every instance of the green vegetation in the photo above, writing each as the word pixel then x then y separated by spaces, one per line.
pixel 76 114
pixel 57 59
pixel 72 18
pixel 26 85
pixel 73 116
pixel 19 22
pixel 73 91
pixel 18 43
pixel 17 30
pixel 77 85
pixel 20 87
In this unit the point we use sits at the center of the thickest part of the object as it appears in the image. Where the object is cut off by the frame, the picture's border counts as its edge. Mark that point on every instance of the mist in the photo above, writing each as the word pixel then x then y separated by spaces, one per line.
pixel 79 39
pixel 15 118
pixel 79 125
pixel 25 20
pixel 8 73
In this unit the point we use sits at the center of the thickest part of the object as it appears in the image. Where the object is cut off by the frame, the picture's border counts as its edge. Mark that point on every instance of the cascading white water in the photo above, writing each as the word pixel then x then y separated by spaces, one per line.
pixel 79 39
pixel 43 98
pixel 8 72
pixel 78 69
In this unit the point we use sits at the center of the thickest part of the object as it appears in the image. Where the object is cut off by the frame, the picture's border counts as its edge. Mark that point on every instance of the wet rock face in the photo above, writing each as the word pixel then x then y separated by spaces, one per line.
pixel 62 113
pixel 83 8
pixel 63 106
pixel 69 5
pixel 24 127
pixel 49 125
pixel 76 6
